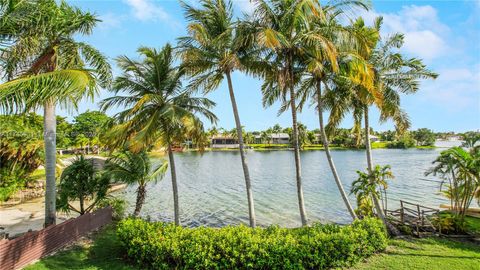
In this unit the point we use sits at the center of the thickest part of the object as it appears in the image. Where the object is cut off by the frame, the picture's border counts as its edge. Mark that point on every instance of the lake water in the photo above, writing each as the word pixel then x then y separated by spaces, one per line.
pixel 212 187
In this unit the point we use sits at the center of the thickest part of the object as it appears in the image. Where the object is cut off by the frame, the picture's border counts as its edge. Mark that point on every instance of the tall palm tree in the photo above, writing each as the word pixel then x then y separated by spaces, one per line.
pixel 45 44
pixel 158 109
pixel 392 74
pixel 349 66
pixel 281 31
pixel 210 53
pixel 135 168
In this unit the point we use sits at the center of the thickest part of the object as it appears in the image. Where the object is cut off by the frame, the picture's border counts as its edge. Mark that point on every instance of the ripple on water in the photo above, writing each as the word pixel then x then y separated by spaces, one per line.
pixel 212 187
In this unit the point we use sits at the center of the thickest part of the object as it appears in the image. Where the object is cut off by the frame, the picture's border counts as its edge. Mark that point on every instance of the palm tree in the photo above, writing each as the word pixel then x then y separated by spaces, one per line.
pixel 211 53
pixel 134 168
pixel 282 31
pixel 158 109
pixel 44 45
pixel 391 75
pixel 349 44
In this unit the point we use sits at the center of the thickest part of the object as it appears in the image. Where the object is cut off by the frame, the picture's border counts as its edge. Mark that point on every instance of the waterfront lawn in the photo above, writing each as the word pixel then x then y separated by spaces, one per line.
pixel 428 253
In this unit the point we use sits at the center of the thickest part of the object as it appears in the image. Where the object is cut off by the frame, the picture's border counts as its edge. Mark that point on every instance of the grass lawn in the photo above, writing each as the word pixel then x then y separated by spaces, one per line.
pixel 103 253
pixel 428 253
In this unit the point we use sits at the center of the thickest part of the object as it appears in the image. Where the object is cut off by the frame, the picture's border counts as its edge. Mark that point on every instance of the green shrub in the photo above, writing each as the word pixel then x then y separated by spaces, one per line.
pixel 166 246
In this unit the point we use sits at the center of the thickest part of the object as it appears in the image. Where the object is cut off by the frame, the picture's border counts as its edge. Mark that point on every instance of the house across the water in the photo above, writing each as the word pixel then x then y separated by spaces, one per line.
pixel 274 138
pixel 224 142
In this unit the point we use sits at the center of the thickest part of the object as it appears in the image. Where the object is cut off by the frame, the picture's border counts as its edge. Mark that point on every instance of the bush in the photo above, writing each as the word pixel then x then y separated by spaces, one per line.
pixel 166 246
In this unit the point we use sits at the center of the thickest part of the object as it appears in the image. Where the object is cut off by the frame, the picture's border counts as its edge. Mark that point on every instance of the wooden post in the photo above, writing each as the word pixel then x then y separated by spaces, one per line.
pixel 401 212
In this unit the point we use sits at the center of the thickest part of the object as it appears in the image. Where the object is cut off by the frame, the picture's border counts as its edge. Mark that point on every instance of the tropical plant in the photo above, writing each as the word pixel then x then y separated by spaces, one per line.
pixel 470 139
pixel 134 168
pixel 46 67
pixel 90 124
pixel 158 110
pixel 210 53
pixel 371 185
pixel 459 170
pixel 81 181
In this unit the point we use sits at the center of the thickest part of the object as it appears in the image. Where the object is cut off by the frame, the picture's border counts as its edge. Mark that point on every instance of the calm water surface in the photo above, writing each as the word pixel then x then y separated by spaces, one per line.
pixel 212 187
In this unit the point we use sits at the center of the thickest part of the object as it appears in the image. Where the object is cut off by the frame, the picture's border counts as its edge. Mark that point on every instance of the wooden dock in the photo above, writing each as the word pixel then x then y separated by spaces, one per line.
pixel 416 216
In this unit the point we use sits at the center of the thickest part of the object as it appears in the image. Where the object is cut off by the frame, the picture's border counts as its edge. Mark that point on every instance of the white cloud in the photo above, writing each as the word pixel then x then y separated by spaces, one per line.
pixel 146 10
pixel 110 20
pixel 455 88
pixel 425 34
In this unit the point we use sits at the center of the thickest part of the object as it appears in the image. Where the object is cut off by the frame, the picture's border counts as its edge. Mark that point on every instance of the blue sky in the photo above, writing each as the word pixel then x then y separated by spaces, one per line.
pixel 445 34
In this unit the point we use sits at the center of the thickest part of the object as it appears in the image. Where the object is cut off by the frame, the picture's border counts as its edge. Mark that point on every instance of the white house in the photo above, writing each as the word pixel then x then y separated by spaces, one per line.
pixel 274 138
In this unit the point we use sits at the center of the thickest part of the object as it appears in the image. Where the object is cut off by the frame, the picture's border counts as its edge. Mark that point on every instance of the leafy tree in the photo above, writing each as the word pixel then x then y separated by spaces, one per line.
pixel 21 151
pixel 134 168
pixel 403 142
pixel 64 136
pixel 424 137
pixel 81 181
pixel 158 110
pixel 48 67
pixel 91 125
pixel 211 53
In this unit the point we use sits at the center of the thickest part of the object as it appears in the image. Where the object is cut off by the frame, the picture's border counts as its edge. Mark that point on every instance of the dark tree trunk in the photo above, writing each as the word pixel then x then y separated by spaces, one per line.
pixel 141 192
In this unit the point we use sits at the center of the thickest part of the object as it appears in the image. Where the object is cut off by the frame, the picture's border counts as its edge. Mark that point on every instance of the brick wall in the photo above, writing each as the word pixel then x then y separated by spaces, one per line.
pixel 18 252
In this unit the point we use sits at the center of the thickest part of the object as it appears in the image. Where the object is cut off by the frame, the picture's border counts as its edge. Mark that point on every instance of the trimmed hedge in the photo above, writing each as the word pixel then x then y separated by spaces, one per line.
pixel 166 246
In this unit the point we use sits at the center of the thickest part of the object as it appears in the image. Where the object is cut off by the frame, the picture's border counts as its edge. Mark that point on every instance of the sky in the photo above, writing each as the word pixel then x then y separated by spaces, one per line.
pixel 445 34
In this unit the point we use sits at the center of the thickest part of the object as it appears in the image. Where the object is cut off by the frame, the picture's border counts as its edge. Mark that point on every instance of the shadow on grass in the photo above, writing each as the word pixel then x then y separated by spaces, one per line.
pixel 104 253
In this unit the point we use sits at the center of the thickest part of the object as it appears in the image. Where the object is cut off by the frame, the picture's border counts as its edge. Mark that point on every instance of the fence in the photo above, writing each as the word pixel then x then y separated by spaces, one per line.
pixel 18 252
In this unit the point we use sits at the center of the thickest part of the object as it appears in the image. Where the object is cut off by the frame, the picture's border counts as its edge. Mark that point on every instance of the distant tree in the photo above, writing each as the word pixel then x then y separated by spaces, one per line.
pixel 64 129
pixel 387 136
pixel 90 124
pixel 83 183
pixel 403 142
pixel 276 128
pixel 424 137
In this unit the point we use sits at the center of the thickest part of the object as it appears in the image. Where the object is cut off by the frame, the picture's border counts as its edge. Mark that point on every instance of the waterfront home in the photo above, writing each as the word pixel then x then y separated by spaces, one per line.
pixel 274 138
pixel 224 142
pixel 374 138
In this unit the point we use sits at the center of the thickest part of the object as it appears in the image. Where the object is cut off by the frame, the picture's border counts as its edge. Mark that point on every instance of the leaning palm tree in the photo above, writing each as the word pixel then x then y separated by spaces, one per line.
pixel 349 44
pixel 392 75
pixel 158 110
pixel 134 168
pixel 210 54
pixel 42 43
pixel 280 29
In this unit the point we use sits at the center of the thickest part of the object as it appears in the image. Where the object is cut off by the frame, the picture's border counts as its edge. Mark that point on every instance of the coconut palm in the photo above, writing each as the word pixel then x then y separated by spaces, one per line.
pixel 349 42
pixel 158 110
pixel 42 43
pixel 392 74
pixel 282 30
pixel 134 168
pixel 210 54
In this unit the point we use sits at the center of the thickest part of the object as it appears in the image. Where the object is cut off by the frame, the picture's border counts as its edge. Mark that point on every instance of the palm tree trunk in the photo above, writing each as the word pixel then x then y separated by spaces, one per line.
pixel 176 207
pixel 50 126
pixel 141 191
pixel 328 154
pixel 296 148
pixel 392 229
pixel 246 174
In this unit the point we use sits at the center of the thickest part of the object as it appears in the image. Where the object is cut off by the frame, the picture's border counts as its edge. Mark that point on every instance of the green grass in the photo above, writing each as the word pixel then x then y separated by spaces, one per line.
pixel 38 174
pixel 427 253
pixel 103 253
